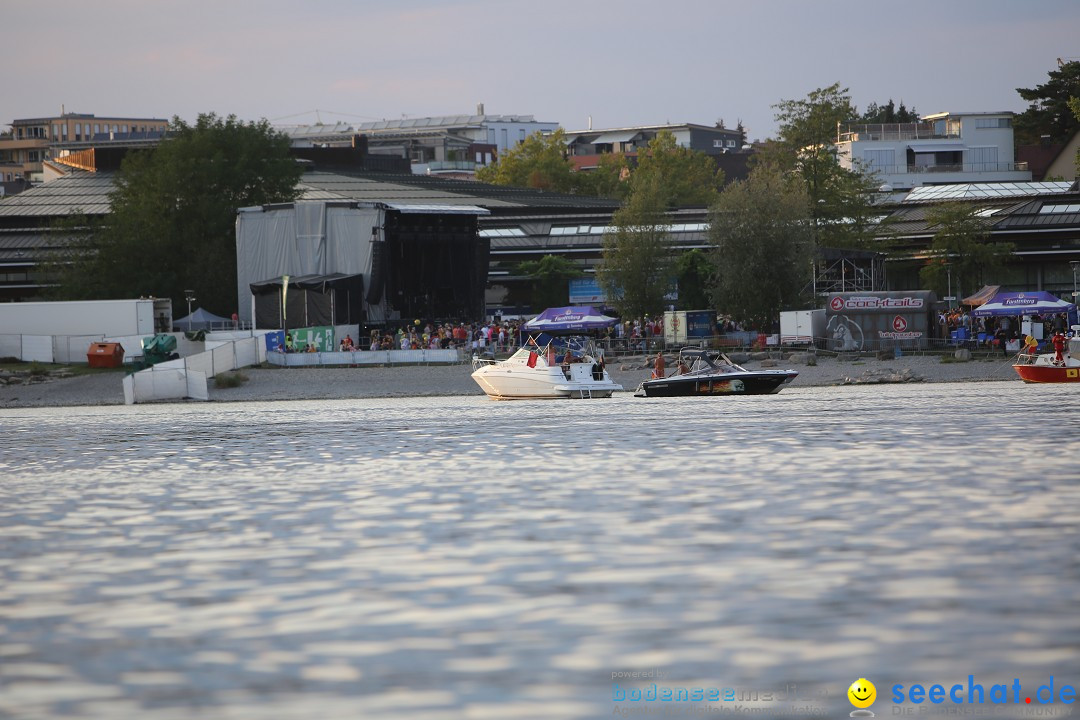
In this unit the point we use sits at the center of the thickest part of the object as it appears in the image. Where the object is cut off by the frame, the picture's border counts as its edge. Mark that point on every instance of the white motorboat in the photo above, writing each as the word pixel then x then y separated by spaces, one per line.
pixel 547 367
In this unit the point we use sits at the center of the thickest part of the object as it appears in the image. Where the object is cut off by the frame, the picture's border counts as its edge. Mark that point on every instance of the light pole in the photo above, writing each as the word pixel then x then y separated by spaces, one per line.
pixel 1075 265
pixel 189 295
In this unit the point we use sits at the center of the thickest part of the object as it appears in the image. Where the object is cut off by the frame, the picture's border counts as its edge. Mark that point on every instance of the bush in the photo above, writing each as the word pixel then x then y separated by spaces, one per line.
pixel 36 369
pixel 230 380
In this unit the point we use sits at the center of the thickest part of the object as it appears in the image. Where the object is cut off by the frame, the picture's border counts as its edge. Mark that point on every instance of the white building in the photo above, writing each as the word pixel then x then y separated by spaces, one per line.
pixel 944 148
pixel 452 144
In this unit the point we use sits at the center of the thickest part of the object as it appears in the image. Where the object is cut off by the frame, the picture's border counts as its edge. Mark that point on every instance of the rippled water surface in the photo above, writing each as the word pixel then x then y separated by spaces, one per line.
pixel 463 558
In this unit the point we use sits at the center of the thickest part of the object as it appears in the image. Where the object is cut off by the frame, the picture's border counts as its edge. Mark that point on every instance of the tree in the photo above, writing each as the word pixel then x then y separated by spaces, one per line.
pixel 960 256
pixel 636 268
pixel 693 273
pixel 550 277
pixel 1048 112
pixel 1074 105
pixel 609 179
pixel 840 199
pixel 887 113
pixel 764 246
pixel 538 162
pixel 172 224
pixel 674 175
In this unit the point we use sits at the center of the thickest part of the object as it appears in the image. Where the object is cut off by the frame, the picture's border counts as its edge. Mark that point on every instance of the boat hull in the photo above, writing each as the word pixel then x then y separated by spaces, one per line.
pixel 751 383
pixel 1047 374
pixel 514 381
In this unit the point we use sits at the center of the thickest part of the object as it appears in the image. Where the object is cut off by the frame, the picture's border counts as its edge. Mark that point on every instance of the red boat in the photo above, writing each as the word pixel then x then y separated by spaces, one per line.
pixel 1043 369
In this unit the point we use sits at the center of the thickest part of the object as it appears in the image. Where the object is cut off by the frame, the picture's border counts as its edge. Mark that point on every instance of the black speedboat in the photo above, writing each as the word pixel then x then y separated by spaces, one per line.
pixel 711 373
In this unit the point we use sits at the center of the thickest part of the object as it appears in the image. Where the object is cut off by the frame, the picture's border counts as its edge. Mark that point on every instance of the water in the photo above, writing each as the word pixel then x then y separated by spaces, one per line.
pixel 463 558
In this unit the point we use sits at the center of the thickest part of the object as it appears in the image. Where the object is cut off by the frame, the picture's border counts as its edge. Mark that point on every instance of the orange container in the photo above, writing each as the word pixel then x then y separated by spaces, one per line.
pixel 105 355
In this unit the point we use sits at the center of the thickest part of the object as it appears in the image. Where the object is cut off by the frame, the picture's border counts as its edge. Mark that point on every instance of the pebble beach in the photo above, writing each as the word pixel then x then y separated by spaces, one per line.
pixel 274 383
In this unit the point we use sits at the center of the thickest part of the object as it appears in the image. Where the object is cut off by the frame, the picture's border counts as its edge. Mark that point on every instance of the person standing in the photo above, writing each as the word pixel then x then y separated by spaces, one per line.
pixel 1059 348
pixel 658 366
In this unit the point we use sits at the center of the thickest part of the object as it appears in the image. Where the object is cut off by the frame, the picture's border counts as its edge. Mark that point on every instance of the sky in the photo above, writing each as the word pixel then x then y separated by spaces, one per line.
pixel 619 62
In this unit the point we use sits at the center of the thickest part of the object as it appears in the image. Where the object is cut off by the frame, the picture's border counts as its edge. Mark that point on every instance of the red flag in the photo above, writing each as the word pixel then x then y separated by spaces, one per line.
pixel 532 359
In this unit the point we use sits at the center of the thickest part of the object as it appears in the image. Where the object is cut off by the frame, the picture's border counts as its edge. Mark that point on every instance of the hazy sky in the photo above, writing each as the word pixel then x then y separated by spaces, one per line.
pixel 622 62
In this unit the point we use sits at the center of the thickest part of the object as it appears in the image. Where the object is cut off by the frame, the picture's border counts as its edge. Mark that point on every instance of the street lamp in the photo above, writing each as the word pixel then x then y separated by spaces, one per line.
pixel 189 295
pixel 1075 265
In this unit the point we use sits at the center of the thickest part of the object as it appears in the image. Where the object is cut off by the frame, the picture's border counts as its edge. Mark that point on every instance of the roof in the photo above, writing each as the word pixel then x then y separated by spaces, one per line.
pixel 409 189
pixel 88 193
pixel 973 191
pixel 83 193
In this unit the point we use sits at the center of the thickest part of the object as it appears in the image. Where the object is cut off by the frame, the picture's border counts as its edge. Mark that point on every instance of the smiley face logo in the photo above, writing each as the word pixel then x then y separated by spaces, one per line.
pixel 862 693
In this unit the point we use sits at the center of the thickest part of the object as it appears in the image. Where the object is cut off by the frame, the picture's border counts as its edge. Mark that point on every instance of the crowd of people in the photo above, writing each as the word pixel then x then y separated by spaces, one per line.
pixel 499 335
pixel 999 333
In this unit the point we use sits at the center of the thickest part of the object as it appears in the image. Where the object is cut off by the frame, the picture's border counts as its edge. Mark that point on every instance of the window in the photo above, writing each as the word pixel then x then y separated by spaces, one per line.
pixel 1061 208
pixel 521 139
pixel 97 128
pixel 880 159
pixel 984 158
pixel 992 123
pixel 718 143
pixel 505 142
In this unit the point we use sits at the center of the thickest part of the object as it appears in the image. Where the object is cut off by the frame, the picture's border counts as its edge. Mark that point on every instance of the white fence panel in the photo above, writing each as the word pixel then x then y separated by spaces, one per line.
pixel 203 362
pixel 37 348
pixel 247 352
pixel 11 346
pixel 364 357
pixel 72 348
pixel 150 385
pixel 224 358
pixel 196 385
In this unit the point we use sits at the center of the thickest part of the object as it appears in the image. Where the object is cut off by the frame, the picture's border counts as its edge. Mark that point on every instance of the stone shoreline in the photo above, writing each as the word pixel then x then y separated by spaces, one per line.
pixel 272 383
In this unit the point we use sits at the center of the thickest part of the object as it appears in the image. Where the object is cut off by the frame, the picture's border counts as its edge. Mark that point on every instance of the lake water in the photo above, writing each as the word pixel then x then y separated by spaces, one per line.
pixel 463 558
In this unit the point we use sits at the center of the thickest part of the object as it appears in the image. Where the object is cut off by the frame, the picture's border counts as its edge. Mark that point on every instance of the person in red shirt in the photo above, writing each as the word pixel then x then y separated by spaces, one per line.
pixel 1059 348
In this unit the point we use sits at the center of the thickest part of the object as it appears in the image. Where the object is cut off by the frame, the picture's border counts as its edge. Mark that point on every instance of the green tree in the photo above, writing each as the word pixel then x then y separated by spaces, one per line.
pixel 764 247
pixel 960 255
pixel 693 273
pixel 840 199
pixel 537 162
pixel 1074 105
pixel 636 270
pixel 610 178
pixel 674 175
pixel 887 113
pixel 1048 112
pixel 172 224
pixel 550 277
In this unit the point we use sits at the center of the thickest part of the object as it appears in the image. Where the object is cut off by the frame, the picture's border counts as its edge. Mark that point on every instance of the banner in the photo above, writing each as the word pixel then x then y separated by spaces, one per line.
pixel 322 337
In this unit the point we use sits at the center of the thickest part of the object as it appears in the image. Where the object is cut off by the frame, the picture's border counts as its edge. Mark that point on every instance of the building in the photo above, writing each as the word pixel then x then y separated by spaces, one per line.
pixel 1041 220
pixel 971 147
pixel 453 145
pixel 31 143
pixel 586 146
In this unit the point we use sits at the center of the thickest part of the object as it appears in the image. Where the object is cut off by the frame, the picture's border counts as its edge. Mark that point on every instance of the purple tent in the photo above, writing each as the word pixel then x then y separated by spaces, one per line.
pixel 1038 302
pixel 570 318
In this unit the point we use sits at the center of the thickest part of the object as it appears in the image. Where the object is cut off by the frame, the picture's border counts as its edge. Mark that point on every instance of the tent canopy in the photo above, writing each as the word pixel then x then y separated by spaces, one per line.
pixel 1023 303
pixel 202 320
pixel 981 297
pixel 563 319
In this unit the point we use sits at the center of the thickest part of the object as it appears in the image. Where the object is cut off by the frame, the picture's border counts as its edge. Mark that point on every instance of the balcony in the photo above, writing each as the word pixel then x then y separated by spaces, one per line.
pixel 892 132
pixel 436 166
pixel 967 168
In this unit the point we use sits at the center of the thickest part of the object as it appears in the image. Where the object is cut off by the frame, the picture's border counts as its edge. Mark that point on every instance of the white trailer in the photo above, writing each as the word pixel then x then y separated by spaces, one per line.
pixel 802 327
pixel 108 318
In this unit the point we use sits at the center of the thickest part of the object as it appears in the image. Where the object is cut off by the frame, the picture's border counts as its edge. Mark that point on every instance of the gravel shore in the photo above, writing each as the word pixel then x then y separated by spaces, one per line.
pixel 272 383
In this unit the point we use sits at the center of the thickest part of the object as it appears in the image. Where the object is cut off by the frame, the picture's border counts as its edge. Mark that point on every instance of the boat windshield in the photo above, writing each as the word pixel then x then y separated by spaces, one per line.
pixel 579 346
pixel 700 361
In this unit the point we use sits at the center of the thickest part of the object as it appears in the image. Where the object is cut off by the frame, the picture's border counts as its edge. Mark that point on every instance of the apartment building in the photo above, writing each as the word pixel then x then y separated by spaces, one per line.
pixel 30 142
pixel 943 148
